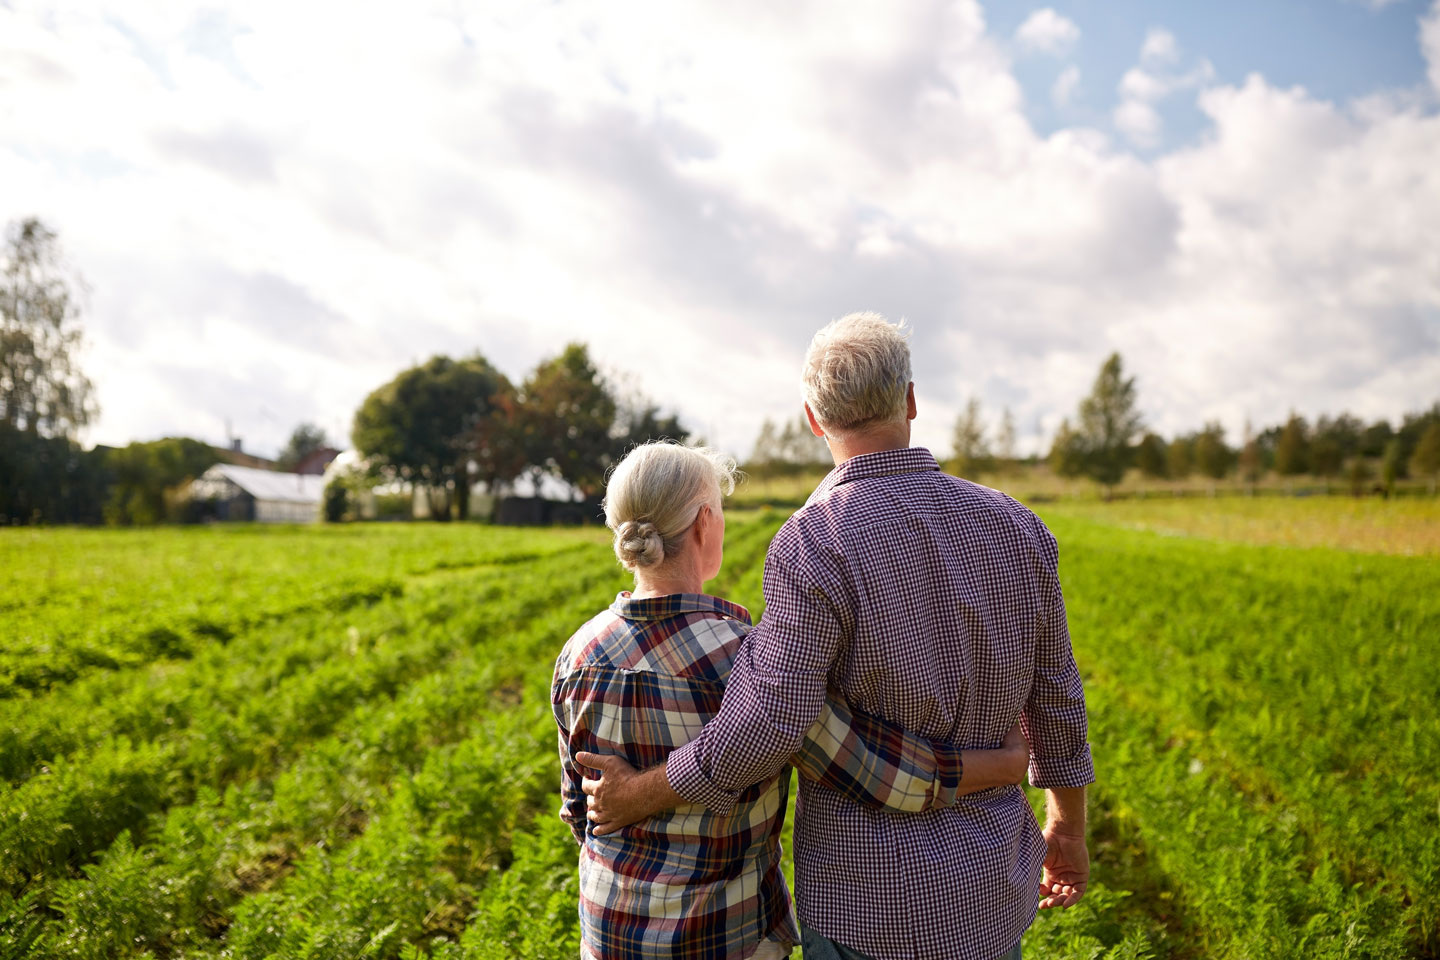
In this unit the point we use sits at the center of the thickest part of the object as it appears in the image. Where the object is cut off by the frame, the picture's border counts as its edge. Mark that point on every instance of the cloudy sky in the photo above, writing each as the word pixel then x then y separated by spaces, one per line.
pixel 279 205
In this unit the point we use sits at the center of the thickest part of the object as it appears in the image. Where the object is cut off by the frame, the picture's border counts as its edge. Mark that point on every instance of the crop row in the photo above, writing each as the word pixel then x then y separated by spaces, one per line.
pixel 88 797
pixel 92 602
pixel 429 835
pixel 1292 679
pixel 163 699
pixel 179 889
pixel 1267 783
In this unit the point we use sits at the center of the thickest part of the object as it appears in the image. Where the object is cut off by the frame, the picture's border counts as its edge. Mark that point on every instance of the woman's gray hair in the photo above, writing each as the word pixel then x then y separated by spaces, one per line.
pixel 655 493
pixel 856 372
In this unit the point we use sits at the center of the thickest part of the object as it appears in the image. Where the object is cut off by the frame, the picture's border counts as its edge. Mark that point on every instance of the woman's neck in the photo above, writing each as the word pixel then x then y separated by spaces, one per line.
pixel 664 584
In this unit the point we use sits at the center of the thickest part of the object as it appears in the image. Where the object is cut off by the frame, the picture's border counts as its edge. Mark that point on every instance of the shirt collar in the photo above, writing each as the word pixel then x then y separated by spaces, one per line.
pixel 886 463
pixel 659 608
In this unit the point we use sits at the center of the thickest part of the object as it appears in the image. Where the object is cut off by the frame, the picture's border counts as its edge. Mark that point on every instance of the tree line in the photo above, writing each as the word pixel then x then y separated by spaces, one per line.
pixel 447 424
pixel 787 449
pixel 1108 438
pixel 442 425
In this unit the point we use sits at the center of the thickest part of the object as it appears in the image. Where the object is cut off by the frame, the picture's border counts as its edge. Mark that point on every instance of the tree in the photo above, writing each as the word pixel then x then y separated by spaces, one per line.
pixel 50 479
pixel 304 440
pixel 1005 441
pixel 1250 460
pixel 788 450
pixel 971 455
pixel 1067 456
pixel 497 441
pixel 422 425
pixel 766 454
pixel 1346 432
pixel 42 390
pixel 1359 475
pixel 638 421
pixel 1150 455
pixel 567 413
pixel 1426 459
pixel 1108 424
pixel 1292 449
pixel 799 448
pixel 1328 445
pixel 1178 459
pixel 1267 441
pixel 145 476
pixel 1412 428
pixel 1376 439
pixel 1392 465
pixel 637 418
pixel 1212 457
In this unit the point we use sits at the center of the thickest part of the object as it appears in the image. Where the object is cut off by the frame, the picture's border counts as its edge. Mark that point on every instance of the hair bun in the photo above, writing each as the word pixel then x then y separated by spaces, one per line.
pixel 638 543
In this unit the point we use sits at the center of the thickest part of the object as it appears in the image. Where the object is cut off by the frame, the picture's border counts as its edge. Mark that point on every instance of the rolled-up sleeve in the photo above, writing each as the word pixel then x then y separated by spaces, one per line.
pixel 876 763
pixel 774 694
pixel 1054 716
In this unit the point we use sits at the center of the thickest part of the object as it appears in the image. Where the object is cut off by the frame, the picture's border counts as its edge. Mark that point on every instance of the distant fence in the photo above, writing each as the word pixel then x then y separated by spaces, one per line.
pixel 1228 490
pixel 538 512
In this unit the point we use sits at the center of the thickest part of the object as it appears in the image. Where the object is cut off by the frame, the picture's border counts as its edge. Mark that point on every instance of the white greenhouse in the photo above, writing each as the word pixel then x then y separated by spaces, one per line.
pixel 246 493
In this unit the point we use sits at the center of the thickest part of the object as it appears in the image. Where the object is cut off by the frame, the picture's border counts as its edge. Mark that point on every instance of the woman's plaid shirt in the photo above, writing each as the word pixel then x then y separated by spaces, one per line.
pixel 639 680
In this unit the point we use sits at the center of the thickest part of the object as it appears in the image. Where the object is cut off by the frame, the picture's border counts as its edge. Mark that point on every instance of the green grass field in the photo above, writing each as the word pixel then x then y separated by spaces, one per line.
pixel 336 742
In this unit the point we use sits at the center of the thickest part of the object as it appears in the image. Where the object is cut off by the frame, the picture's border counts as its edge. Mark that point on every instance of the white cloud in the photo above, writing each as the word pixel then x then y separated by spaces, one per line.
pixel 1140 122
pixel 1159 48
pixel 276 219
pixel 1430 43
pixel 1046 31
pixel 1065 86
pixel 1144 86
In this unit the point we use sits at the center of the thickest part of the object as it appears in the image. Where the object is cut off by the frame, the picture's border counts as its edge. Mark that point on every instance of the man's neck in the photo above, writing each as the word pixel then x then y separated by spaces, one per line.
pixel 870 441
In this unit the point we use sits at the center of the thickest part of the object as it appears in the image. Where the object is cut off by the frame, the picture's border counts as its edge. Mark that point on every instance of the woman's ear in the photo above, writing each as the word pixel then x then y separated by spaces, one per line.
pixel 700 526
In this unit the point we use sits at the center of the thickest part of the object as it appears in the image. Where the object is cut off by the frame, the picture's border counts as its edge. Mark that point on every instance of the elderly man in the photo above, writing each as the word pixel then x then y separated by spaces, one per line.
pixel 932 602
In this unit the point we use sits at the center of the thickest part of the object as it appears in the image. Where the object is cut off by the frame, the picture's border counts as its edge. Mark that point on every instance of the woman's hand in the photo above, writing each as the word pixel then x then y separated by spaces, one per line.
pixel 1017 754
pixel 1005 765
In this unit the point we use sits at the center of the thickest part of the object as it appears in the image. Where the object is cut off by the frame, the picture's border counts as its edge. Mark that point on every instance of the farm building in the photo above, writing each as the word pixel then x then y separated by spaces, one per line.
pixel 230 492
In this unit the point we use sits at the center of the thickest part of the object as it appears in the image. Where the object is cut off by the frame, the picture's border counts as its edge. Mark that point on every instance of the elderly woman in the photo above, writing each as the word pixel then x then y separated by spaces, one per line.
pixel 644 675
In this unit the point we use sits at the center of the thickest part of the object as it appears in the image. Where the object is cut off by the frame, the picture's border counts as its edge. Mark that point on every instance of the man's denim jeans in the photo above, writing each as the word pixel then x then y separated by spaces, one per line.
pixel 818 947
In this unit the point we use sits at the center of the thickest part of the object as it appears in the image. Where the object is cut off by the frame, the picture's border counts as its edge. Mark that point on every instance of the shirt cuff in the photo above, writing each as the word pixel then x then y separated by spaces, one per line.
pixel 1049 772
pixel 682 770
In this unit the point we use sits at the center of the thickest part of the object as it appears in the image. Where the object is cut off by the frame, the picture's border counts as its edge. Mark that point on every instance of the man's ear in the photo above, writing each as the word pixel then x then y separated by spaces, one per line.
pixel 815 427
pixel 910 409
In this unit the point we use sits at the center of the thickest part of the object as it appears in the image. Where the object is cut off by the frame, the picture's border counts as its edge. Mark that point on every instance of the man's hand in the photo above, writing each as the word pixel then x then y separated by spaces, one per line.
pixel 621 796
pixel 1067 870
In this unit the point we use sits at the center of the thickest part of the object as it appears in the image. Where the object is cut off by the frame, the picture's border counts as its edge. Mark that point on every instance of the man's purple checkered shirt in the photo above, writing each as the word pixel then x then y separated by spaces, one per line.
pixel 934 603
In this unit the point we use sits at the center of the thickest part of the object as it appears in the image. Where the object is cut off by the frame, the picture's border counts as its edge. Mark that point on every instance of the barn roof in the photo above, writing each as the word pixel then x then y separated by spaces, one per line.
pixel 269 485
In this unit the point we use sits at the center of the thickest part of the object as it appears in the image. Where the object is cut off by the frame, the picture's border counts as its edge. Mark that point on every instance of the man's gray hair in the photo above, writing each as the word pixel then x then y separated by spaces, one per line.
pixel 856 372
